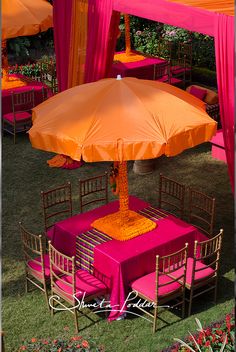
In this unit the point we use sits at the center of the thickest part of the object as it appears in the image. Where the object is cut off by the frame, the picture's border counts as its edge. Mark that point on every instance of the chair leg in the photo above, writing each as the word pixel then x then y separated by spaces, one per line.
pixel 155 320
pixel 190 302
pixel 14 134
pixel 76 321
pixel 26 285
pixel 52 305
pixel 46 296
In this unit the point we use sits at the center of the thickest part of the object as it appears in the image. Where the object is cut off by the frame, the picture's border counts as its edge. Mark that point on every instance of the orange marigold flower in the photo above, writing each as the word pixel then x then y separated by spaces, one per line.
pixel 85 344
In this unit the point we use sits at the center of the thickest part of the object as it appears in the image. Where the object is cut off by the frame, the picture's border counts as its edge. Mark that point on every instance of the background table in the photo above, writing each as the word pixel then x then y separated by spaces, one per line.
pixel 143 69
pixel 6 93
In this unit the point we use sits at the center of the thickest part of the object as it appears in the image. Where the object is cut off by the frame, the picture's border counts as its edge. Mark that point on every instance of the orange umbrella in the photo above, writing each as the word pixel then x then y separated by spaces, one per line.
pixel 120 120
pixel 23 17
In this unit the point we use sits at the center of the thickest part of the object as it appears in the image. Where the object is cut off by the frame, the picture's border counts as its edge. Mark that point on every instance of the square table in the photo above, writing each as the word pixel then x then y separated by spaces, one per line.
pixel 124 261
pixel 6 93
pixel 143 69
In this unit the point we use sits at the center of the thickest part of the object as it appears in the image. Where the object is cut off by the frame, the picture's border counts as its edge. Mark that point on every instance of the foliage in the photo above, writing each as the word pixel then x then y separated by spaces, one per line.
pixel 219 337
pixel 30 70
pixel 75 344
pixel 145 35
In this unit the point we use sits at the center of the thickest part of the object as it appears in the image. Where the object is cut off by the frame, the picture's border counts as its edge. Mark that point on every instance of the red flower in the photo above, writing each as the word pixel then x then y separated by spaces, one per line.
pixel 59 350
pixel 208 332
pixel 33 340
pixel 76 338
pixel 23 348
pixel 207 343
pixel 78 346
pixel 85 344
pixel 55 341
pixel 219 332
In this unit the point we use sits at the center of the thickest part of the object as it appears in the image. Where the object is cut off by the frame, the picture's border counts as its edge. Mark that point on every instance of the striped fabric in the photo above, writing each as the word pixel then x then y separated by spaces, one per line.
pixel 153 213
pixel 85 242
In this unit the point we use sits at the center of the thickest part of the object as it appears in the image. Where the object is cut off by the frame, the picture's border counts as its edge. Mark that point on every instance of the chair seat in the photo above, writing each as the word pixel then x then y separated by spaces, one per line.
pixel 200 275
pixel 173 80
pixel 179 69
pixel 85 284
pixel 19 116
pixel 37 267
pixel 146 285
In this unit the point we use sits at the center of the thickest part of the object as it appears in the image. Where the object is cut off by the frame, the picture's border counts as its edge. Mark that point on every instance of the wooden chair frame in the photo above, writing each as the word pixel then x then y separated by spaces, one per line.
pixel 45 93
pixel 94 185
pixel 54 197
pixel 171 188
pixel 34 245
pixel 18 100
pixel 184 60
pixel 60 265
pixel 208 250
pixel 168 264
pixel 205 204
pixel 161 70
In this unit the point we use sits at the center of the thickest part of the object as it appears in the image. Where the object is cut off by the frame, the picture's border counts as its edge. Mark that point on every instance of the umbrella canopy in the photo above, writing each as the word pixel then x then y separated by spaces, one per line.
pixel 25 17
pixel 119 120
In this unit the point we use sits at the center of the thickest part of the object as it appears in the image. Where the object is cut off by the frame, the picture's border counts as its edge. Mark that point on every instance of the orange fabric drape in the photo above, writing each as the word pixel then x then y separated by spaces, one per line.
pixel 78 42
pixel 220 6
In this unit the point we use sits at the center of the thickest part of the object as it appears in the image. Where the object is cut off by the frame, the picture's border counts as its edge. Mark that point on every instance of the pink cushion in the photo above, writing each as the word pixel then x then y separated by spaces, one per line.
pixel 200 275
pixel 38 267
pixel 174 80
pixel 146 285
pixel 179 69
pixel 19 116
pixel 85 282
pixel 198 93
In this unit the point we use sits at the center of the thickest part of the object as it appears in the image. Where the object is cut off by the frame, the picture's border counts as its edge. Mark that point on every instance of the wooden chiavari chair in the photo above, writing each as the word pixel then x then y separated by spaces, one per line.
pixel 71 285
pixel 36 261
pixel 93 190
pixel 20 119
pixel 182 66
pixel 162 72
pixel 202 272
pixel 160 287
pixel 57 204
pixel 171 194
pixel 201 211
pixel 46 93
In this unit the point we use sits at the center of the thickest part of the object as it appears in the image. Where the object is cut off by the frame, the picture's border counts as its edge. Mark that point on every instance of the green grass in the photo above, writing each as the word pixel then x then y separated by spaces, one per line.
pixel 25 173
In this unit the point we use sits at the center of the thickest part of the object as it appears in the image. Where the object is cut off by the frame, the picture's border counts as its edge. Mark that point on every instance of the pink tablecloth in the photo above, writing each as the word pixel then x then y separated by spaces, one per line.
pixel 64 232
pixel 123 262
pixel 6 93
pixel 143 69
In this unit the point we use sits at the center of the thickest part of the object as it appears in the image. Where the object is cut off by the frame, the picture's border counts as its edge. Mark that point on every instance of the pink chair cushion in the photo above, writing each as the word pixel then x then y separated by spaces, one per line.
pixel 174 80
pixel 179 69
pixel 85 283
pixel 146 285
pixel 200 275
pixel 198 93
pixel 19 116
pixel 38 268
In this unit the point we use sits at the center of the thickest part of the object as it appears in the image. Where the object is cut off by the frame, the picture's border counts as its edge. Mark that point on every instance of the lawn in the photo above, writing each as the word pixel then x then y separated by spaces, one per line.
pixel 25 173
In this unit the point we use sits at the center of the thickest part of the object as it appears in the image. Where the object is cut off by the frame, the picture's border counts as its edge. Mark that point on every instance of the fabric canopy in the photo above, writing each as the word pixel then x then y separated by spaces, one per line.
pixel 214 18
pixel 25 17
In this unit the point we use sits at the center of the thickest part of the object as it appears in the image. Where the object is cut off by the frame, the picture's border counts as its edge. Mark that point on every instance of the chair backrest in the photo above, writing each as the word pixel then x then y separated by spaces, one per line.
pixel 33 246
pixel 201 211
pixel 46 93
pixel 171 194
pixel 56 202
pixel 23 101
pixel 93 190
pixel 165 48
pixel 167 265
pixel 185 52
pixel 162 70
pixel 207 252
pixel 60 266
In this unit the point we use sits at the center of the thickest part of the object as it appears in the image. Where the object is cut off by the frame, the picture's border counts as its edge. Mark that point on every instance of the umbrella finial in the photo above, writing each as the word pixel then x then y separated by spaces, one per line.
pixel 118 77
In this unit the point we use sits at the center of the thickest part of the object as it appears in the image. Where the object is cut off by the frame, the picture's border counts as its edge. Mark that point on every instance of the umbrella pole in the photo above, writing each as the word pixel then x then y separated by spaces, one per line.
pixel 127 34
pixel 4 61
pixel 123 191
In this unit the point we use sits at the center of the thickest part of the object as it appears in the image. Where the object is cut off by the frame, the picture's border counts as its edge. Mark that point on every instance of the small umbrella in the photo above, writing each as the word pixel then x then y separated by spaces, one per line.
pixel 120 120
pixel 21 18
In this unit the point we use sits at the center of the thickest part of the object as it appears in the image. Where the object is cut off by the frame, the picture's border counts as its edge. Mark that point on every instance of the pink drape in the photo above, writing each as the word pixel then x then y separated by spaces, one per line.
pixel 62 11
pixel 224 52
pixel 102 34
